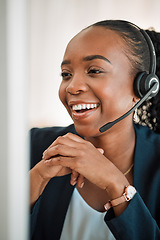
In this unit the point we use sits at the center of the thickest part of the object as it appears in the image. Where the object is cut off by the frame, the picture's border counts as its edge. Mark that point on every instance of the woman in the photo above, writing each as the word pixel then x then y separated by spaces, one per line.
pixel 121 164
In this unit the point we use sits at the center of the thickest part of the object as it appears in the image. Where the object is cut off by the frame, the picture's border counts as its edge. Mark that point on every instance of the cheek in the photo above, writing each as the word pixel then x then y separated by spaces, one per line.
pixel 116 98
pixel 109 100
pixel 62 93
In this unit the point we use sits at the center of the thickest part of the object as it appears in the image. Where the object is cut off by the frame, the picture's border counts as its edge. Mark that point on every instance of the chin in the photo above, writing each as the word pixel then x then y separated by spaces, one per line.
pixel 86 131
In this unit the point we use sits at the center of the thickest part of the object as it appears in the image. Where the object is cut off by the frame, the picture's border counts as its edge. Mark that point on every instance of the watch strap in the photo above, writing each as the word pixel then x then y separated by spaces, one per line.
pixel 119 200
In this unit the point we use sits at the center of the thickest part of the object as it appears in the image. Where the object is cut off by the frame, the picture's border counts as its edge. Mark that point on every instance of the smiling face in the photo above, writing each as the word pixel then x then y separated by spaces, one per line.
pixel 97 85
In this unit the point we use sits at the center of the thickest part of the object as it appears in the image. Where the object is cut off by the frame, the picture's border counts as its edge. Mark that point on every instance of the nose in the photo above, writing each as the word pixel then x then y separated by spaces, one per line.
pixel 77 85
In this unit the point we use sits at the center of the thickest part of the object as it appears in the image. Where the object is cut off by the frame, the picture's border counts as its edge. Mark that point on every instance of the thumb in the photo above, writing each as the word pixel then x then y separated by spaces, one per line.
pixel 100 150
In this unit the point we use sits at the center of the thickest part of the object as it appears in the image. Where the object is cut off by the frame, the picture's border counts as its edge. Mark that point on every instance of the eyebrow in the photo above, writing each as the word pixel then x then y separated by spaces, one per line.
pixel 88 58
pixel 92 57
pixel 65 62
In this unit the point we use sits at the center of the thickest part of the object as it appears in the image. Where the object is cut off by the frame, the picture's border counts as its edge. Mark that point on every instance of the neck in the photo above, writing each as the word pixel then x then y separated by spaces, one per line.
pixel 118 145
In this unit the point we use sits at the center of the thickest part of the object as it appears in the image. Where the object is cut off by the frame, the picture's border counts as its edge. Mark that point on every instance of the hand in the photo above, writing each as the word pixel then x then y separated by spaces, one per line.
pixel 49 172
pixel 81 156
pixel 46 171
pixel 79 179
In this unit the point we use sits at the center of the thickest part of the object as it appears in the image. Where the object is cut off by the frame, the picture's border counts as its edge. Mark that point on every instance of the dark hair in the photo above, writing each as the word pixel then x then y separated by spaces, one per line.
pixel 139 56
pixel 136 49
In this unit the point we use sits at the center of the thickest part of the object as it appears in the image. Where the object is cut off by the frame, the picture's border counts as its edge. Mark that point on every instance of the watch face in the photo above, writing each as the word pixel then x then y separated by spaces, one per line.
pixel 130 191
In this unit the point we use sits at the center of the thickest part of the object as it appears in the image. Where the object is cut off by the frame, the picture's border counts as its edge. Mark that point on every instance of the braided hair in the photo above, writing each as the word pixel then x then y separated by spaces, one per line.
pixel 149 112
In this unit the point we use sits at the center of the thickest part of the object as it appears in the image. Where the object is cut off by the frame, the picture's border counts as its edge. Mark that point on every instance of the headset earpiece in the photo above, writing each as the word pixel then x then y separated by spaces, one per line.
pixel 143 82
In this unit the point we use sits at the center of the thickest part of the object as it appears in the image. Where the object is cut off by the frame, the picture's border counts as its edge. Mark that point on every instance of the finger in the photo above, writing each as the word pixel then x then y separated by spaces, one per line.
pixel 60 150
pixel 62 140
pixel 63 171
pixel 74 177
pixel 74 137
pixel 58 160
pixel 61 161
pixel 59 139
pixel 100 150
pixel 77 178
pixel 80 181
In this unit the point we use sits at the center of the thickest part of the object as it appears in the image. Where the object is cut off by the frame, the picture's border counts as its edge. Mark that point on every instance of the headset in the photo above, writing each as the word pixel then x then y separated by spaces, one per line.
pixel 146 85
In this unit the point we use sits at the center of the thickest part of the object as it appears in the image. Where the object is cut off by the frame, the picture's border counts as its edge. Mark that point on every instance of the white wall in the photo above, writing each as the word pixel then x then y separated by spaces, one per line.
pixel 14 161
pixel 53 24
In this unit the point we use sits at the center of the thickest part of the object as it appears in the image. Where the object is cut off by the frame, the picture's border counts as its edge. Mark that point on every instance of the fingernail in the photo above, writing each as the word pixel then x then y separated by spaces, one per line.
pixel 101 151
pixel 74 179
pixel 44 153
pixel 73 183
pixel 81 185
pixel 47 161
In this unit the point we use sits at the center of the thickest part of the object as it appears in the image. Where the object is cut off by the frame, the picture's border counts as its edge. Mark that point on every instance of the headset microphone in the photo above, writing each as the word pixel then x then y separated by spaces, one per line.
pixel 146 85
pixel 110 124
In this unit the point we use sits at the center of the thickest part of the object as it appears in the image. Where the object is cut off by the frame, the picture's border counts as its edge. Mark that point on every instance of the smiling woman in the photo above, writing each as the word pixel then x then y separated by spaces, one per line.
pixel 88 178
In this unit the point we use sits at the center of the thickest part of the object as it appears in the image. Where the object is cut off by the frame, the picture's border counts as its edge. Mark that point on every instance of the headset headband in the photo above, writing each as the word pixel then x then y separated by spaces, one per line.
pixel 150 46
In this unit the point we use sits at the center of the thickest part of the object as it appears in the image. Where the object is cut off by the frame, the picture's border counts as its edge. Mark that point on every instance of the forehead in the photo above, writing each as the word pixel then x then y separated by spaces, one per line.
pixel 95 40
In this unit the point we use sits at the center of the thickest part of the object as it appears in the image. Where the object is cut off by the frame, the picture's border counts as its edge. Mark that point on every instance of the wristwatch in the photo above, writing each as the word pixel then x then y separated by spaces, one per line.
pixel 128 194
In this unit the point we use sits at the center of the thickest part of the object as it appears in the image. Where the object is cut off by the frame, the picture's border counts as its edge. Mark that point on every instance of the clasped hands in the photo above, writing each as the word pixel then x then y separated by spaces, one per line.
pixel 72 154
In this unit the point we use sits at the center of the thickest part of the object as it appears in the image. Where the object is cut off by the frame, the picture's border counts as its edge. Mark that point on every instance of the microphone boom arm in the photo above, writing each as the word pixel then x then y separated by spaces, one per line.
pixel 110 124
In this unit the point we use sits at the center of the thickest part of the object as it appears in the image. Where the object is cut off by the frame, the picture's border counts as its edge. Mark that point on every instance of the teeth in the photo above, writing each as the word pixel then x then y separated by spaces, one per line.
pixel 88 106
pixel 79 107
pixel 84 106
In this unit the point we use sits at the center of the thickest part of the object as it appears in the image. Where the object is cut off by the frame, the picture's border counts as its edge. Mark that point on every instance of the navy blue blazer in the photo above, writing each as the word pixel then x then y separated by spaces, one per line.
pixel 140 220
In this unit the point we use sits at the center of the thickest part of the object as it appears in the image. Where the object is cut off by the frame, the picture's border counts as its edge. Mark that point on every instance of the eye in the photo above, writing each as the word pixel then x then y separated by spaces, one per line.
pixel 93 71
pixel 66 75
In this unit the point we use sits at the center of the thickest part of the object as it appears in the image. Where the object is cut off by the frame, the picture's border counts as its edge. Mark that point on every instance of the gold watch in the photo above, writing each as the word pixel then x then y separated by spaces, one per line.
pixel 128 194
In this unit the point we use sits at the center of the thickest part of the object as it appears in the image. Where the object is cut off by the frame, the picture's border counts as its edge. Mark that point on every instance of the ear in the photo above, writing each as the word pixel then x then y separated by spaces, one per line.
pixel 135 99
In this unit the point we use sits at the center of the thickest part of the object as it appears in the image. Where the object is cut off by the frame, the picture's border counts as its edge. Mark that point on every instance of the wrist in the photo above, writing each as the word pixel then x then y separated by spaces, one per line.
pixel 116 187
pixel 40 172
pixel 37 185
pixel 128 194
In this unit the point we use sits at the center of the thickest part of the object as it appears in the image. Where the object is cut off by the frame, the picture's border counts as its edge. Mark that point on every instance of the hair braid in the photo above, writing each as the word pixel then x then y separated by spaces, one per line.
pixel 149 112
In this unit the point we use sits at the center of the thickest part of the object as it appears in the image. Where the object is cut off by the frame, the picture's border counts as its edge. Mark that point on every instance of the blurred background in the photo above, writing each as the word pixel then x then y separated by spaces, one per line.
pixel 52 25
pixel 33 37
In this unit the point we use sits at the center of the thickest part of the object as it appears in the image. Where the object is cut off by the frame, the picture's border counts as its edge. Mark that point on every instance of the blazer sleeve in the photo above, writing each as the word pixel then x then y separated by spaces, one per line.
pixel 141 219
pixel 33 216
pixel 40 139
pixel 135 223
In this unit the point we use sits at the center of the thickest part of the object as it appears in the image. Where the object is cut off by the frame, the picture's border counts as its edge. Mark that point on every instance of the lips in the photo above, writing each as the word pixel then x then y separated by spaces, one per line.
pixel 83 110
